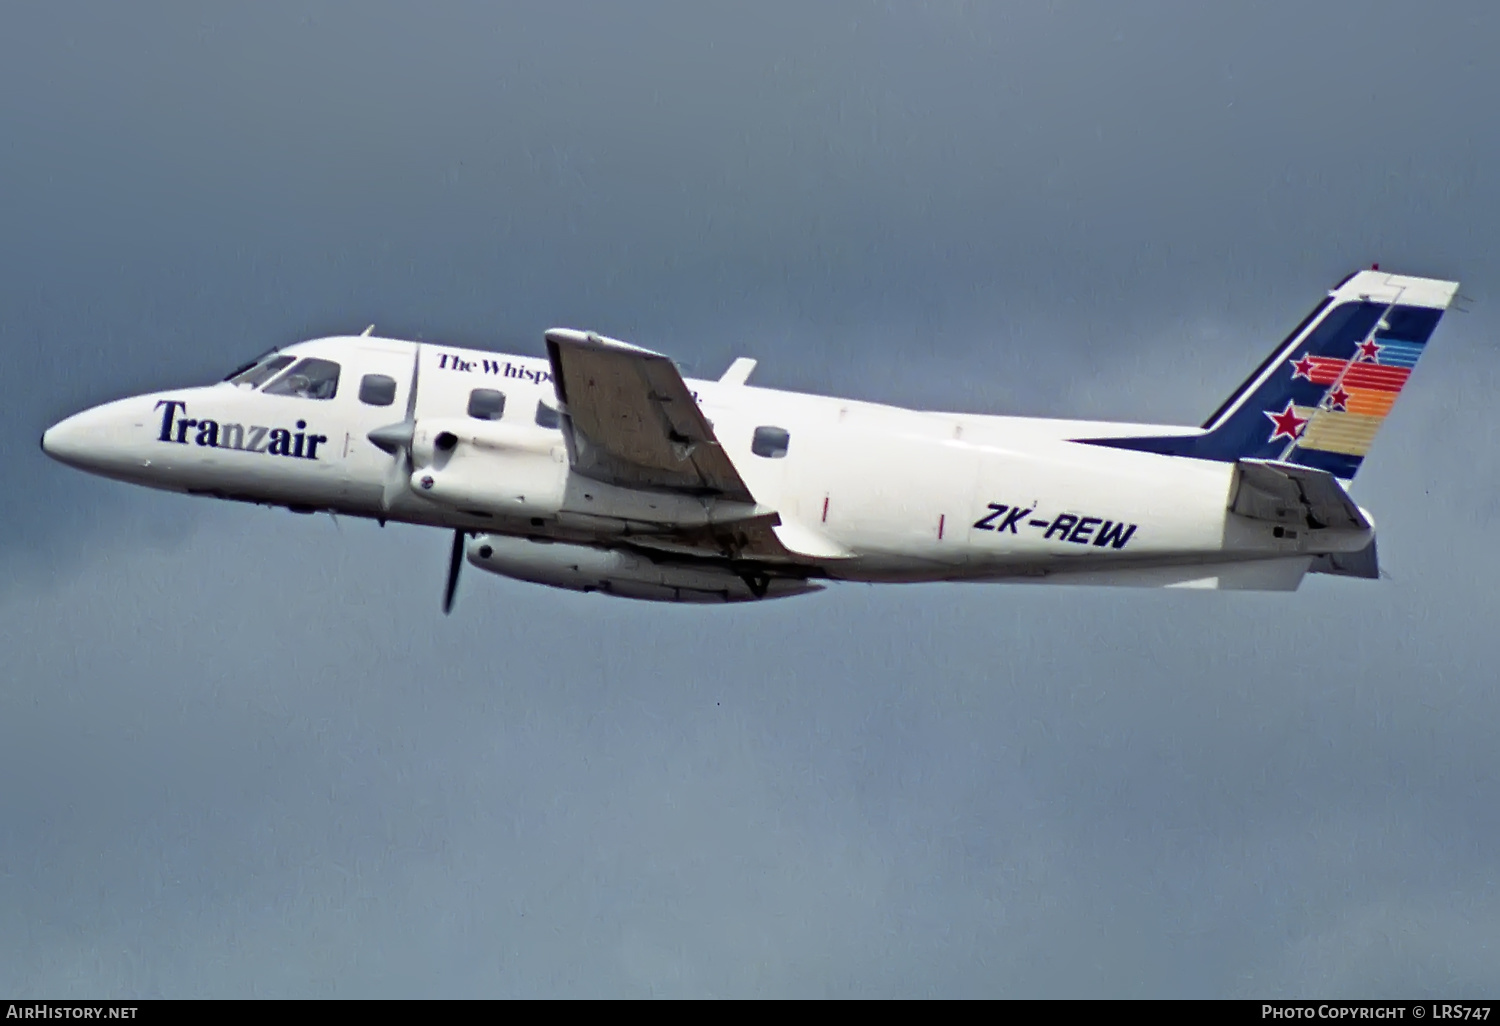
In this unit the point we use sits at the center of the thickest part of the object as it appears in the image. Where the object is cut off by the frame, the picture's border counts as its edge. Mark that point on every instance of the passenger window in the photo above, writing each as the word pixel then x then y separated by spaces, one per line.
pixel 377 390
pixel 771 442
pixel 308 379
pixel 260 372
pixel 547 416
pixel 486 404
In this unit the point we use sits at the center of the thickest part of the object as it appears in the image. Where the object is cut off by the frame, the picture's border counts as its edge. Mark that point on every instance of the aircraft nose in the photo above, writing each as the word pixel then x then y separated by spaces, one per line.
pixel 96 439
pixel 66 440
pixel 109 439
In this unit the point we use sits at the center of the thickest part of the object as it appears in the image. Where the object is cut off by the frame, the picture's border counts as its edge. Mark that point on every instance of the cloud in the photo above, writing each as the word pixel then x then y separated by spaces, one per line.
pixel 261 762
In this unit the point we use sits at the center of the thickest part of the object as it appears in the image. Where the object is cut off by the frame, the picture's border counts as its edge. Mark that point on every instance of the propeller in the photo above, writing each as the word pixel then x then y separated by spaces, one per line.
pixel 396 439
pixel 455 561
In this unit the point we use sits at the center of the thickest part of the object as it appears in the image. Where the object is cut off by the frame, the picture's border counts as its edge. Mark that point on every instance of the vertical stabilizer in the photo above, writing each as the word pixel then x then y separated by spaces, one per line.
pixel 1321 395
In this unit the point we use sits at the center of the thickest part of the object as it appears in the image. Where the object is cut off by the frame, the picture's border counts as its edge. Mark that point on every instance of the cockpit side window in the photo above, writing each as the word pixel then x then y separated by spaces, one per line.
pixel 255 374
pixel 547 416
pixel 310 378
pixel 486 404
pixel 377 390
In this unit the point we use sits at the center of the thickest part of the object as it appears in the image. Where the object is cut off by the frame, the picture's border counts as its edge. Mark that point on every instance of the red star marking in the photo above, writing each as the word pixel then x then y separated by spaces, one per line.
pixel 1368 350
pixel 1302 368
pixel 1338 399
pixel 1288 424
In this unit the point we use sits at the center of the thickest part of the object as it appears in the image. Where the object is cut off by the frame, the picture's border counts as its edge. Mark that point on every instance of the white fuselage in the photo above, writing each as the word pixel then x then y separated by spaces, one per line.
pixel 863 491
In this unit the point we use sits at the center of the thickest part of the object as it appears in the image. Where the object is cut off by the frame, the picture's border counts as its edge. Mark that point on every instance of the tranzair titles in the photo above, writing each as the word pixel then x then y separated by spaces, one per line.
pixel 275 441
pixel 601 469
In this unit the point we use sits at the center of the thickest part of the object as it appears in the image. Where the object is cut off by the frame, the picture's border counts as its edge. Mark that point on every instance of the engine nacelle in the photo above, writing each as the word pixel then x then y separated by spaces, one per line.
pixel 615 572
pixel 520 470
pixel 505 469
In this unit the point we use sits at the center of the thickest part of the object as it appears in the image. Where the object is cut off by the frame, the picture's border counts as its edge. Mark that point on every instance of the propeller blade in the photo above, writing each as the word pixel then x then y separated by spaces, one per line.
pixel 455 561
pixel 396 439
pixel 397 480
pixel 411 394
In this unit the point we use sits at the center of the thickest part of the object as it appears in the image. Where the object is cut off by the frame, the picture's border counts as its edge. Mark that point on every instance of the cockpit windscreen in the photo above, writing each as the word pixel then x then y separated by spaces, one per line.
pixel 260 370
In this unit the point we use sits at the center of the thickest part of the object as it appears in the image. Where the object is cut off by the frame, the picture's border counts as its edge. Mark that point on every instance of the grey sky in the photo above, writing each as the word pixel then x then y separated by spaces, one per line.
pixel 245 753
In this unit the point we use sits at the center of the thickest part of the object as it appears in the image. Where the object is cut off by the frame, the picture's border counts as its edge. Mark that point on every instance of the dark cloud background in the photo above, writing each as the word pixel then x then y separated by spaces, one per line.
pixel 244 754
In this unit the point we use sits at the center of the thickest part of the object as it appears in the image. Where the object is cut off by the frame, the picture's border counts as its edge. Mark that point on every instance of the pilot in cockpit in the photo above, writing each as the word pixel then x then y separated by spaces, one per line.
pixel 309 378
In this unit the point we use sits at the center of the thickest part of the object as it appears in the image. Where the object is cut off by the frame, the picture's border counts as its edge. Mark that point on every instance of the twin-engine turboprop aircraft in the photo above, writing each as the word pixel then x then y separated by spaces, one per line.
pixel 601 469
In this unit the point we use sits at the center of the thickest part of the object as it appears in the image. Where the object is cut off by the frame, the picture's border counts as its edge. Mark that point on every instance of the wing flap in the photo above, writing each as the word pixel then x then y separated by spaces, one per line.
pixel 752 540
pixel 631 420
pixel 1288 493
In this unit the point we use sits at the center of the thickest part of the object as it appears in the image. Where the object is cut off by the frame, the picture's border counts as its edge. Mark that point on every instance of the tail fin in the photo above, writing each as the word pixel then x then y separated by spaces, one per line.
pixel 1322 394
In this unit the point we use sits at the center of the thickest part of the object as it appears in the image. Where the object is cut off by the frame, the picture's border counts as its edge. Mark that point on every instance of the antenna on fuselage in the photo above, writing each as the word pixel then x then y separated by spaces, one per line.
pixel 366 332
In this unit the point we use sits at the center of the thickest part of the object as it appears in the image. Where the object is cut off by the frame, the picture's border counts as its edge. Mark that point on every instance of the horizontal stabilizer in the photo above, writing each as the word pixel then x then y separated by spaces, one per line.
pixel 1363 563
pixel 1287 493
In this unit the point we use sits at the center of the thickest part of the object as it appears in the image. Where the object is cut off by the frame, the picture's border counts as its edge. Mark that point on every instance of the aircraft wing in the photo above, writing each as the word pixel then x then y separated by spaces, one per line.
pixel 631 421
pixel 1288 493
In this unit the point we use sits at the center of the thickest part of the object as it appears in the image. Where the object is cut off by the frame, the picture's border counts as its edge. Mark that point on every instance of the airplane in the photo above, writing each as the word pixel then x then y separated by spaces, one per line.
pixel 601 469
